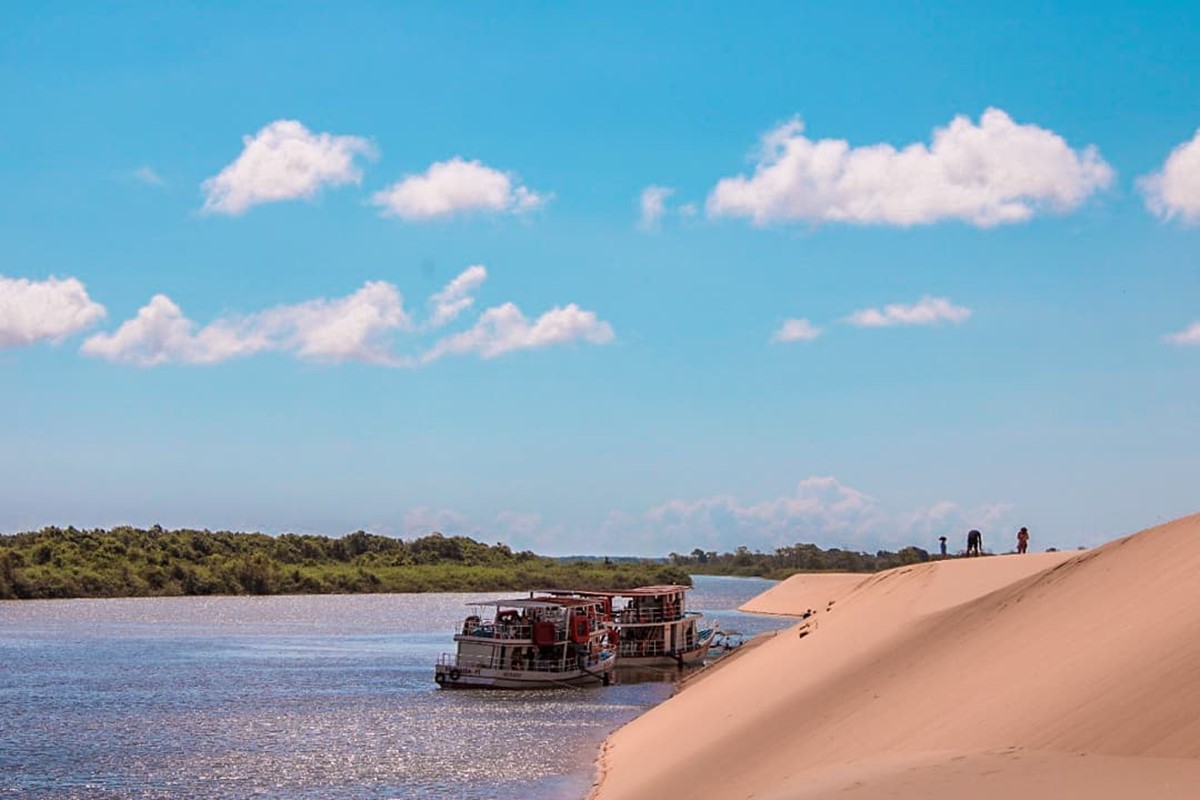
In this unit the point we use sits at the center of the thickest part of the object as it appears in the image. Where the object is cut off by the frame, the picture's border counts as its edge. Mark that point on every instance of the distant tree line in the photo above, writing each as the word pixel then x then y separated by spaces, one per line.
pixel 785 561
pixel 131 562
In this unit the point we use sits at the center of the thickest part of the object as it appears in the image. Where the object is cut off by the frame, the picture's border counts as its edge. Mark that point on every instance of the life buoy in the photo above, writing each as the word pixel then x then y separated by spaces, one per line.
pixel 440 678
pixel 455 675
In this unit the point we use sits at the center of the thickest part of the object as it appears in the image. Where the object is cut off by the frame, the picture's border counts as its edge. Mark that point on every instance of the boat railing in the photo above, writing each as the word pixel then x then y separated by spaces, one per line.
pixel 637 649
pixel 645 616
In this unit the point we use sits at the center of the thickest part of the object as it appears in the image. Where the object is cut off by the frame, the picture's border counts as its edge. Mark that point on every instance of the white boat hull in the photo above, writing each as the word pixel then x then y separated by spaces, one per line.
pixel 454 677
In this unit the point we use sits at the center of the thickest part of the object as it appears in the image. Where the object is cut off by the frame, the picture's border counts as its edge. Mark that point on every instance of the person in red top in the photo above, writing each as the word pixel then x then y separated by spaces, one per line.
pixel 1022 540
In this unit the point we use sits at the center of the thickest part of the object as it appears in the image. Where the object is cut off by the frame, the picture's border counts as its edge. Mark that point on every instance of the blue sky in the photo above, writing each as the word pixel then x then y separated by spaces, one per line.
pixel 608 278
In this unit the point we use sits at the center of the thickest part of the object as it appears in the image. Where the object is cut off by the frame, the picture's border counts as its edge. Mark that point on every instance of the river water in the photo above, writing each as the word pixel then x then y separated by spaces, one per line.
pixel 316 696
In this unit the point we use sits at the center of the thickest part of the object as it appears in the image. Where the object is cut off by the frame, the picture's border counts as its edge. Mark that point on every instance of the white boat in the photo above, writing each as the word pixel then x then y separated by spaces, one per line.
pixel 529 643
pixel 655 628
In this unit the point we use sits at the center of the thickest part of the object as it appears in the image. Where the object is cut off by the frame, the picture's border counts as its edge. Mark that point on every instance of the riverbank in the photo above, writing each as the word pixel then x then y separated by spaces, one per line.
pixel 1043 675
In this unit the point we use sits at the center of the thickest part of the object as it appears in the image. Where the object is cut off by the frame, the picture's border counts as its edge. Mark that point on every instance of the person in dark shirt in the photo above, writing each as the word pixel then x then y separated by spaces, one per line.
pixel 974 543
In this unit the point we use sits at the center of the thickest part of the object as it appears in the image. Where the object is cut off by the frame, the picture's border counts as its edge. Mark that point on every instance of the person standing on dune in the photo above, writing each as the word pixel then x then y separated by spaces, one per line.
pixel 1022 540
pixel 974 543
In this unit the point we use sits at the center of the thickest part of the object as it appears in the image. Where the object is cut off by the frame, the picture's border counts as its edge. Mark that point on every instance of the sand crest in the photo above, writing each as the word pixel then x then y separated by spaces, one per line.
pixel 1015 675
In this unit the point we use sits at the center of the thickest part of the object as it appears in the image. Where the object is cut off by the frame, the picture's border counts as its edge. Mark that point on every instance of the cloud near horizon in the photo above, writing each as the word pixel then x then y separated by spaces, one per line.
pixel 927 311
pixel 821 510
pixel 455 187
pixel 284 161
pixel 985 174
pixel 358 327
pixel 1173 192
pixel 48 310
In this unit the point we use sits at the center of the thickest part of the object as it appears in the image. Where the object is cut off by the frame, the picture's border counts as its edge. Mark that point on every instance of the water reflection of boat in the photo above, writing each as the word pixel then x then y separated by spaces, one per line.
pixel 526 643
pixel 654 627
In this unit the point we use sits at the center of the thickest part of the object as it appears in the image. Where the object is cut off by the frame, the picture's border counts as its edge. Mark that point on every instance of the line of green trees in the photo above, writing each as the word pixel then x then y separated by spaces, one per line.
pixel 131 562
pixel 785 561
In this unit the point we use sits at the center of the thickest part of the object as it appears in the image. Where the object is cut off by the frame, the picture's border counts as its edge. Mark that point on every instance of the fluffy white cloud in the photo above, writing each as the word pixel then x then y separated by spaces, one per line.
pixel 284 161
pixel 928 311
pixel 457 296
pixel 32 311
pixel 453 187
pixel 1174 191
pixel 654 205
pixel 796 330
pixel 1189 335
pixel 358 327
pixel 347 328
pixel 986 174
pixel 160 333
pixel 504 328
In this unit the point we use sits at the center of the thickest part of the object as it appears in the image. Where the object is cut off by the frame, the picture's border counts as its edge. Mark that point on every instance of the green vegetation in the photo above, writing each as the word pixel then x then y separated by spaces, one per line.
pixel 787 561
pixel 129 562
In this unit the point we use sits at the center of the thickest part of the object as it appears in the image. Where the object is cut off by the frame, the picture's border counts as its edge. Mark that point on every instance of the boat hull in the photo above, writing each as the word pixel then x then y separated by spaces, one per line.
pixel 452 677
pixel 684 658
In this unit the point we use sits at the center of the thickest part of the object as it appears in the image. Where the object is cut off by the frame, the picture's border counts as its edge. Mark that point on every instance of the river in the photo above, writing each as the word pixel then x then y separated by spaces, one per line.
pixel 295 697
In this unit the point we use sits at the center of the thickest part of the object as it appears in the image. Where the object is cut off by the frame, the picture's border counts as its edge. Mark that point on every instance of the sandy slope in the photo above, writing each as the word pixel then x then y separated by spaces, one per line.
pixel 800 592
pixel 952 679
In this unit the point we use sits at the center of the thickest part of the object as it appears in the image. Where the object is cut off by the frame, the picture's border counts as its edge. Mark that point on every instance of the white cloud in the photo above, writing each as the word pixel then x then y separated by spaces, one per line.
pixel 160 334
pixel 148 176
pixel 456 297
pixel 654 206
pixel 928 311
pixel 347 328
pixel 284 161
pixel 503 329
pixel 796 330
pixel 453 187
pixel 987 174
pixel 423 520
pixel 33 311
pixel 821 510
pixel 1174 191
pixel 1189 335
pixel 358 327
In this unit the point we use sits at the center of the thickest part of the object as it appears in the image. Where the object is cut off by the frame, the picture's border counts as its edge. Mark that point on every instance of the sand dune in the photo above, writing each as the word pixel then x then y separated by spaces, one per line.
pixel 800 592
pixel 1016 675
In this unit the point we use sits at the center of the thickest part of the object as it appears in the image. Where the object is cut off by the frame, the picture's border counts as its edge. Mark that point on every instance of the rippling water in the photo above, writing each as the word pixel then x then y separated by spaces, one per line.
pixel 328 696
